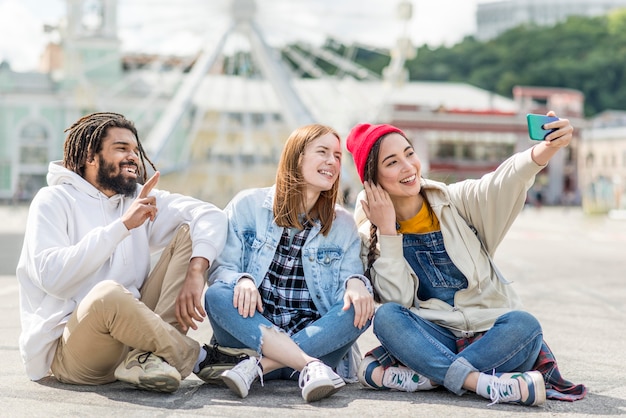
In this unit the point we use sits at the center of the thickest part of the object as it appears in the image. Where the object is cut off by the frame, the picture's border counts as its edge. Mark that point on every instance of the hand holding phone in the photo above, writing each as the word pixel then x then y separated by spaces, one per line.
pixel 536 124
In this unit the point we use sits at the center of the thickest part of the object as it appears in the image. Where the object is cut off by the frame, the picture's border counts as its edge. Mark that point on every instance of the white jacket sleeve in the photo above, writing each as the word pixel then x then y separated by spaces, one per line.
pixel 207 223
pixel 54 264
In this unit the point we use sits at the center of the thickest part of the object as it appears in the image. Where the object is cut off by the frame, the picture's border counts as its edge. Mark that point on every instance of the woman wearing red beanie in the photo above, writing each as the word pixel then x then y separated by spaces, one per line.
pixel 448 317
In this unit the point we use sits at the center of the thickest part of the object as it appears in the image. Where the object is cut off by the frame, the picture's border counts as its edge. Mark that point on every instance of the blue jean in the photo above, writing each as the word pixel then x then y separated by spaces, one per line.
pixel 512 344
pixel 327 339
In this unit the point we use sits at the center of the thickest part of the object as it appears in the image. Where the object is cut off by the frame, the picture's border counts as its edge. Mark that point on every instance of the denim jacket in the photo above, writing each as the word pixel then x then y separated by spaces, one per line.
pixel 328 261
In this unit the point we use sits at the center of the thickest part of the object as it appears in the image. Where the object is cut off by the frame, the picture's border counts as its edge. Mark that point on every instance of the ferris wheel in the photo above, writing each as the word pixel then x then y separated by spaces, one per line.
pixel 264 61
pixel 232 79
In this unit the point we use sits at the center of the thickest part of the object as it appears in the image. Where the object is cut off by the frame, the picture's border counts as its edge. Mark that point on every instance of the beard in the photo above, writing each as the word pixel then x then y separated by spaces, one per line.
pixel 117 183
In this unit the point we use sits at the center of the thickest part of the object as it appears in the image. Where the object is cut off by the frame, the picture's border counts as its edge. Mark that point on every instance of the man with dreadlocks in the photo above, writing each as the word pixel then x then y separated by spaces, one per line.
pixel 87 297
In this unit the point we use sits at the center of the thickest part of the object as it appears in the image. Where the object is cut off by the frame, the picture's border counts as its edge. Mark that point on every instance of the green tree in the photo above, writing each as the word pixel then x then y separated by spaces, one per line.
pixel 587 54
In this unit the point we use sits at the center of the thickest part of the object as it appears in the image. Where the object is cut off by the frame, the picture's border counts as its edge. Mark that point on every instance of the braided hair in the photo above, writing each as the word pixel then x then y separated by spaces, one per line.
pixel 370 174
pixel 84 141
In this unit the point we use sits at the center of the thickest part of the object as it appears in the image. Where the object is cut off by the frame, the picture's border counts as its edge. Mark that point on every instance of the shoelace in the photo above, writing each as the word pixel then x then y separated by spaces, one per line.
pixel 142 358
pixel 311 371
pixel 399 377
pixel 503 390
pixel 250 370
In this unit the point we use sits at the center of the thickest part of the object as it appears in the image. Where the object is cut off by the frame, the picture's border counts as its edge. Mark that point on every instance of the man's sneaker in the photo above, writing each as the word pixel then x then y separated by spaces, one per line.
pixel 395 377
pixel 318 381
pixel 526 388
pixel 148 371
pixel 219 359
pixel 239 378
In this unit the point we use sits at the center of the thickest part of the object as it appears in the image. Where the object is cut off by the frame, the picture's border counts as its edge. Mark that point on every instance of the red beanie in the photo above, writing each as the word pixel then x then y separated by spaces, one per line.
pixel 361 139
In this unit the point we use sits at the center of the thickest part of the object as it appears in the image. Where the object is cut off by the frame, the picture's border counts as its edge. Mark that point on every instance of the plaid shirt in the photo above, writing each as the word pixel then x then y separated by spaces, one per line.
pixel 285 294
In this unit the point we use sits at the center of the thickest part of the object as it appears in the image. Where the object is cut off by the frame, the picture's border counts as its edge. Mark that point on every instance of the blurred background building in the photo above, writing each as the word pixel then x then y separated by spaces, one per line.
pixel 602 163
pixel 214 121
pixel 494 18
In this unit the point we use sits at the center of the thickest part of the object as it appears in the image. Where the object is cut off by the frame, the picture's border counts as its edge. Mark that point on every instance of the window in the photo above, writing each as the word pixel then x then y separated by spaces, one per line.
pixel 34 145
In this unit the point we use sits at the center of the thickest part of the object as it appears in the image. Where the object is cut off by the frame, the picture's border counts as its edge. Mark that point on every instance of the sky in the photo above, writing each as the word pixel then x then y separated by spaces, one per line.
pixel 182 27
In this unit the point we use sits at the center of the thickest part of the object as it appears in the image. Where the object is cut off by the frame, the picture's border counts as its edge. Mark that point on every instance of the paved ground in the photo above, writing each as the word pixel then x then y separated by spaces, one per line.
pixel 569 269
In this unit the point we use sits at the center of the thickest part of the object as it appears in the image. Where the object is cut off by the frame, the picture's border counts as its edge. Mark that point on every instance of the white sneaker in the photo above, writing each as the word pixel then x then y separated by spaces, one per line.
pixel 510 388
pixel 148 371
pixel 395 377
pixel 404 379
pixel 318 381
pixel 239 378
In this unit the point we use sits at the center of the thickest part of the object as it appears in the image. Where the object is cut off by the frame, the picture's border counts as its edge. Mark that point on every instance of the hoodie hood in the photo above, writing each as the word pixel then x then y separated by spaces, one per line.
pixel 59 175
pixel 110 207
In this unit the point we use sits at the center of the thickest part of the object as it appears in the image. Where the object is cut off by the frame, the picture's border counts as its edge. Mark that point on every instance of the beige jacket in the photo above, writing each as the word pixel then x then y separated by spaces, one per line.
pixel 490 204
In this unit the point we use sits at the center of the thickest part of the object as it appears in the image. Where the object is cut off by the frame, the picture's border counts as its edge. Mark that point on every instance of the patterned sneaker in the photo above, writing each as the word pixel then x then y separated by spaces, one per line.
pixel 517 388
pixel 239 378
pixel 219 359
pixel 318 381
pixel 395 377
pixel 148 371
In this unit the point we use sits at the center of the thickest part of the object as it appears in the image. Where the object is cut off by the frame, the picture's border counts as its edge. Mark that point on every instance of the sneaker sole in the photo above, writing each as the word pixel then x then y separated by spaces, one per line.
pixel 160 383
pixel 323 391
pixel 538 395
pixel 235 384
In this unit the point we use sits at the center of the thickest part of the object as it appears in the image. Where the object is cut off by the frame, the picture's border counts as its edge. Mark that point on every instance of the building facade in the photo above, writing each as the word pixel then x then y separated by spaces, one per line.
pixel 467 143
pixel 80 75
pixel 234 127
pixel 602 163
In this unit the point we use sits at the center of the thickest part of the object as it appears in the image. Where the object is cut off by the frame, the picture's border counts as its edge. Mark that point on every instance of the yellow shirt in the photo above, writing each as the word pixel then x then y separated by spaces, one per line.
pixel 425 221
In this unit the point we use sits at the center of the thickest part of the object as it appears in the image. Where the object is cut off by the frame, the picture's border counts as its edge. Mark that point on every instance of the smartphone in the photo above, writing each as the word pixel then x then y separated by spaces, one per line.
pixel 535 126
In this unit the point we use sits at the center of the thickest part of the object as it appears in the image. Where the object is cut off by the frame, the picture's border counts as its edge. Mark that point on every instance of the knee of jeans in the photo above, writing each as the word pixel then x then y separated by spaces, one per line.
pixel 351 314
pixel 524 320
pixel 217 294
pixel 386 314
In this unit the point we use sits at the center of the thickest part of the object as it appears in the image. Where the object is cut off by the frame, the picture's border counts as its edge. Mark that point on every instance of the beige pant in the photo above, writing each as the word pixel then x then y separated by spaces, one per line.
pixel 110 320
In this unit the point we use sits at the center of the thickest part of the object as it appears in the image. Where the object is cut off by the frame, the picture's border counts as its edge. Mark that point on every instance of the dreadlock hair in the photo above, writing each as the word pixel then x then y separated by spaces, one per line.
pixel 370 174
pixel 289 200
pixel 84 141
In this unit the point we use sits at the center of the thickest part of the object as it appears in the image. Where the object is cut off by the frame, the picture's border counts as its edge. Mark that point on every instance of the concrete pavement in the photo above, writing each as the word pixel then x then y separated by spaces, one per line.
pixel 568 268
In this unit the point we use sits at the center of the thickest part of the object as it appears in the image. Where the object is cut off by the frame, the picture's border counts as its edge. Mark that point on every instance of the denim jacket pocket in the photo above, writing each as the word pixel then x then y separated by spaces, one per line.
pixel 328 261
pixel 251 247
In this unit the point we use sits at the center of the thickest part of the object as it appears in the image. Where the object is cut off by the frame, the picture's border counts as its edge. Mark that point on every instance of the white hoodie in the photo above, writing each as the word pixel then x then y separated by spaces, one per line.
pixel 75 238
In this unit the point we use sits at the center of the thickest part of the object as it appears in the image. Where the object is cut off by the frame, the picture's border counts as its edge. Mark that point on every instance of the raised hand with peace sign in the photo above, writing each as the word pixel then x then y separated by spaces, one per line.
pixel 144 206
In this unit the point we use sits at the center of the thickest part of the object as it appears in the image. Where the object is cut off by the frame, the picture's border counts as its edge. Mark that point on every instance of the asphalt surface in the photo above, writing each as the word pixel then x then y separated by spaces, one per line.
pixel 569 269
